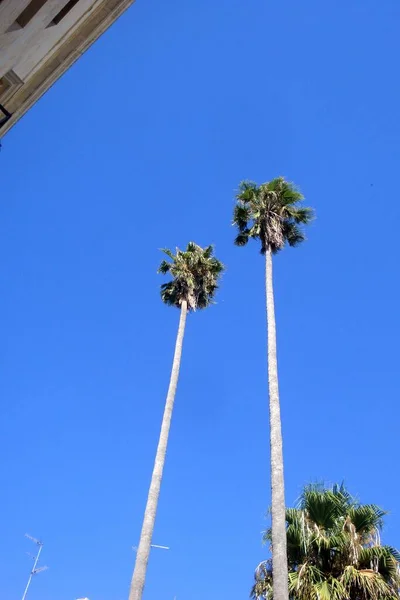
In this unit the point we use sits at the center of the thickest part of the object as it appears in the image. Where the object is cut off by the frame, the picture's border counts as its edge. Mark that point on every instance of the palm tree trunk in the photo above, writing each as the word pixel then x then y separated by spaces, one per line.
pixel 279 552
pixel 142 556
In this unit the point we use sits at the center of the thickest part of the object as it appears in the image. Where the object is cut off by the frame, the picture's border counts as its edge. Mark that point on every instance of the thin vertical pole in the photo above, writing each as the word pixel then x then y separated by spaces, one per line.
pixel 33 571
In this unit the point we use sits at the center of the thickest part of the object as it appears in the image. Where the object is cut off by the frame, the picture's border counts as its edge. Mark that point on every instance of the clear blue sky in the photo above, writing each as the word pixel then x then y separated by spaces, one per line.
pixel 141 145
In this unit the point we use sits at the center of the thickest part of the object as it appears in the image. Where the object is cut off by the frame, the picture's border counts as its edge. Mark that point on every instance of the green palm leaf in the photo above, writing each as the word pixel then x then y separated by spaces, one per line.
pixel 195 275
pixel 270 213
pixel 366 518
pixel 334 550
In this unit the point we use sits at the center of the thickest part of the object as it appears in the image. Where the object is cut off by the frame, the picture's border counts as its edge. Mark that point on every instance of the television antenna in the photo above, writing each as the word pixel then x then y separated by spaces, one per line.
pixel 35 569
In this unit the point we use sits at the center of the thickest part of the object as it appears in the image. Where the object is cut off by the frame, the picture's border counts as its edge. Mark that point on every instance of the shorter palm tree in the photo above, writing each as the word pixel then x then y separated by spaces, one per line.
pixel 195 274
pixel 334 551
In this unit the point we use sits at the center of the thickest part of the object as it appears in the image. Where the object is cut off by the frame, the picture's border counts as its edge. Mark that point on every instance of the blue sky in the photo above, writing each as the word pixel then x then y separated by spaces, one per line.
pixel 141 145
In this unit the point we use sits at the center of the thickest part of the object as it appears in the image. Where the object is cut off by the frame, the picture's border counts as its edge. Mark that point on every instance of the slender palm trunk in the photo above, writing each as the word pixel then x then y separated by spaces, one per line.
pixel 279 552
pixel 142 556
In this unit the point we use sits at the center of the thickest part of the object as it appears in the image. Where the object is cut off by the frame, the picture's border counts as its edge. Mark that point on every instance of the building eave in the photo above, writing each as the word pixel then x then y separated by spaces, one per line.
pixel 67 52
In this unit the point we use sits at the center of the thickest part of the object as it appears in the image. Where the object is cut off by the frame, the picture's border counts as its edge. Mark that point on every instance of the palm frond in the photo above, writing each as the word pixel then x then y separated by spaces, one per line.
pixel 262 587
pixel 271 214
pixel 164 267
pixel 247 191
pixel 286 190
pixel 300 215
pixel 241 216
pixel 383 559
pixel 293 234
pixel 241 239
pixel 334 550
pixel 322 507
pixel 195 274
pixel 365 583
pixel 394 552
pixel 169 253
pixel 170 295
pixel 208 251
pixel 367 518
pixel 305 580
pixel 192 247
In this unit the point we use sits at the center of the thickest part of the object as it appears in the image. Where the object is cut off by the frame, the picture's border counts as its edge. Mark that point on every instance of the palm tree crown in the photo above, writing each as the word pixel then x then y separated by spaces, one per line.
pixel 195 273
pixel 334 551
pixel 270 212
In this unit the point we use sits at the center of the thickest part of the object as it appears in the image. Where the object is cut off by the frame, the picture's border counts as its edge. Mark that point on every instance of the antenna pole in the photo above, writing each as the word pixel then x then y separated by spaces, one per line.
pixel 35 562
pixel 31 574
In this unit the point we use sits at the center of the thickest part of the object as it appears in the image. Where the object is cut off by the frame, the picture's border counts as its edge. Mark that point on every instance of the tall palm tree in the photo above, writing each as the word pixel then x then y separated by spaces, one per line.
pixel 334 551
pixel 270 213
pixel 195 274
